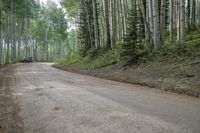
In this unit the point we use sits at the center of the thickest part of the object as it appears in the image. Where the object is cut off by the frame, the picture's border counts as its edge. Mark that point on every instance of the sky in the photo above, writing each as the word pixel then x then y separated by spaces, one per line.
pixel 56 1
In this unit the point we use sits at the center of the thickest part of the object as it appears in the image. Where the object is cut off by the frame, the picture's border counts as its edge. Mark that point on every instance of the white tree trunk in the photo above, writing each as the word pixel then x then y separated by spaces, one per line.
pixel 144 15
pixel 151 21
pixel 178 19
pixel 46 41
pixel 192 12
pixel 182 21
pixel 162 19
pixel 157 28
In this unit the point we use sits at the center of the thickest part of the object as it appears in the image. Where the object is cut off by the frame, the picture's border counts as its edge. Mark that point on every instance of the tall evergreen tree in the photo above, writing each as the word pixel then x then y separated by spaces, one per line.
pixel 86 26
pixel 132 41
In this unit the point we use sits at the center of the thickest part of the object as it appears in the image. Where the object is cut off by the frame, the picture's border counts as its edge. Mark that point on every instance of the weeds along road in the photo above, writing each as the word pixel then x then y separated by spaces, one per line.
pixel 55 101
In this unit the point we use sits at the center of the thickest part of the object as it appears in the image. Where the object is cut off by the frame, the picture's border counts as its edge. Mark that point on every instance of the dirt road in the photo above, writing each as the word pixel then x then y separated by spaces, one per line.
pixel 54 101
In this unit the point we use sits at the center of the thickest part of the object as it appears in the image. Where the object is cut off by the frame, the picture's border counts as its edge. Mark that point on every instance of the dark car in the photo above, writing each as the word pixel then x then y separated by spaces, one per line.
pixel 27 59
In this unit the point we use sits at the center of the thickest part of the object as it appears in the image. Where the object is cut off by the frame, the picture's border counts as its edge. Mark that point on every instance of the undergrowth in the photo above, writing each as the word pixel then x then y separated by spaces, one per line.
pixel 174 67
pixel 170 52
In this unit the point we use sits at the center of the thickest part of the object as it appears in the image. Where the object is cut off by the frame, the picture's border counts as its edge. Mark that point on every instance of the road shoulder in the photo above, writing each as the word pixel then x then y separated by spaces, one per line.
pixel 10 121
pixel 132 76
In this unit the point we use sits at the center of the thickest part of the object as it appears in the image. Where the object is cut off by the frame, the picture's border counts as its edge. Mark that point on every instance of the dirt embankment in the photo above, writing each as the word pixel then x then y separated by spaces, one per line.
pixel 10 121
pixel 174 77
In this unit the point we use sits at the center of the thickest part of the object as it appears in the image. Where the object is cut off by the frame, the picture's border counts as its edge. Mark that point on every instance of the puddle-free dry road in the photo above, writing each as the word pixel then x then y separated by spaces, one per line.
pixel 54 101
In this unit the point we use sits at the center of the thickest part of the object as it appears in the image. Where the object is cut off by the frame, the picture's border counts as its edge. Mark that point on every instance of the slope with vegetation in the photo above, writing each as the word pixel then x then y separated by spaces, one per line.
pixel 154 43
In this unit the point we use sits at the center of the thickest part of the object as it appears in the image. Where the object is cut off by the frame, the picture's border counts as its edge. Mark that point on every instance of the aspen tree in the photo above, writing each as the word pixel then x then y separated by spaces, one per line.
pixel 182 21
pixel 156 26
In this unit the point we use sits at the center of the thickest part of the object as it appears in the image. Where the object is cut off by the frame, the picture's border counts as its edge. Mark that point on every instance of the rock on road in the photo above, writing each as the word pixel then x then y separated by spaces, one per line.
pixel 55 101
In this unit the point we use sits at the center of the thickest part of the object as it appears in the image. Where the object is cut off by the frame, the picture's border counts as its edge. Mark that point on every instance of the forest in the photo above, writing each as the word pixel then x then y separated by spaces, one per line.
pixel 154 43
pixel 30 29
pixel 132 29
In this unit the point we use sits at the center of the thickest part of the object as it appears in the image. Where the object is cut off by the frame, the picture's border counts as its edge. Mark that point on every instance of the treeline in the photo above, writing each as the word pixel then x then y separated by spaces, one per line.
pixel 30 29
pixel 14 22
pixel 137 26
pixel 130 27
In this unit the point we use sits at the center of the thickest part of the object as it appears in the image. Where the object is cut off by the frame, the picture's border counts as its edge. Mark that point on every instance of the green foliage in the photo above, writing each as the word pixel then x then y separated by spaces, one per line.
pixel 86 27
pixel 71 6
pixel 23 8
pixel 94 53
pixel 106 58
pixel 188 71
pixel 70 59
pixel 177 50
pixel 132 47
pixel 72 43
pixel 118 49
pixel 51 20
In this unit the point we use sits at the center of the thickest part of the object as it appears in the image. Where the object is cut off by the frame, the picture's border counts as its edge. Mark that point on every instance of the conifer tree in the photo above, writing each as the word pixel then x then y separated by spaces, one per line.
pixel 86 26
pixel 132 40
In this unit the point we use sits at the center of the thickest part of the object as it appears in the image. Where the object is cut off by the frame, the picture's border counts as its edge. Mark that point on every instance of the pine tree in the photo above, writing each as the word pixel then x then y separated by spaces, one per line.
pixel 86 26
pixel 132 40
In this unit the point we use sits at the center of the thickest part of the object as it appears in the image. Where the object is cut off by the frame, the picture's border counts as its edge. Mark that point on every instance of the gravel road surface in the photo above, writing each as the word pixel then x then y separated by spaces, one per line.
pixel 55 101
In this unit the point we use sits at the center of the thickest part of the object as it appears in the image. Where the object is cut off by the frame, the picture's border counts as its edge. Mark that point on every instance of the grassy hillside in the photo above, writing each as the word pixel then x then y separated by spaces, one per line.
pixel 174 68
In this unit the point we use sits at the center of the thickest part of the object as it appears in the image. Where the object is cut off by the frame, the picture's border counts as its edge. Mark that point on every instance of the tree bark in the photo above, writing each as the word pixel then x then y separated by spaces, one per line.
pixel 182 21
pixel 178 19
pixel 96 24
pixel 7 27
pixel 46 42
pixel 162 19
pixel 108 40
pixel 151 22
pixel 157 29
pixel 1 42
pixel 171 8
pixel 114 24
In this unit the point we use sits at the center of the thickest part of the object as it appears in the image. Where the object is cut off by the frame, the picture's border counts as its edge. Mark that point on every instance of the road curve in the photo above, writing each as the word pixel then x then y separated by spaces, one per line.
pixel 55 101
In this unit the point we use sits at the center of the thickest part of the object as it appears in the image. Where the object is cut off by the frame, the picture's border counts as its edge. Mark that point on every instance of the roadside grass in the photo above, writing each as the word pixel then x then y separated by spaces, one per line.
pixel 174 68
pixel 5 65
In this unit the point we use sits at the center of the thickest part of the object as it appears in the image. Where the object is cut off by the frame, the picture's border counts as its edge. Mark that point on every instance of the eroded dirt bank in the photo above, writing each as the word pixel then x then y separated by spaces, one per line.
pixel 169 77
